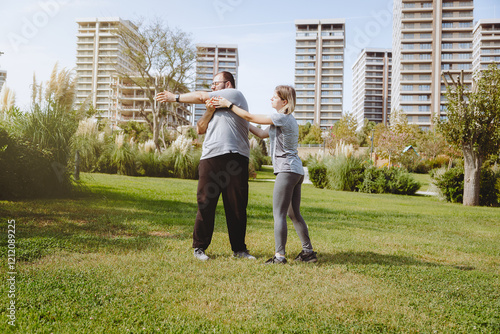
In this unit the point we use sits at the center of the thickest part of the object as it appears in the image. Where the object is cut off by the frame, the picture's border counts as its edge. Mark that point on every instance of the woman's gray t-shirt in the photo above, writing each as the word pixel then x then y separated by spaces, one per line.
pixel 284 135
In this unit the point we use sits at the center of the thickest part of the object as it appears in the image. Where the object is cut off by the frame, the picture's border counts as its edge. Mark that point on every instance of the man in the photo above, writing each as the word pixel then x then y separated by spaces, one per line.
pixel 223 165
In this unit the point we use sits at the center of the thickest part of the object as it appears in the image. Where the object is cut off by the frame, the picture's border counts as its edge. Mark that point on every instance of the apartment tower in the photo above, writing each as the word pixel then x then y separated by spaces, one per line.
pixel 98 57
pixel 212 59
pixel 429 38
pixel 486 44
pixel 319 71
pixel 371 95
pixel 3 78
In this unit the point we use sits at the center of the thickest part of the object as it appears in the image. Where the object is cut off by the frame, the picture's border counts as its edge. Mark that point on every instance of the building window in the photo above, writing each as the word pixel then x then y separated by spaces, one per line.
pixel 424 88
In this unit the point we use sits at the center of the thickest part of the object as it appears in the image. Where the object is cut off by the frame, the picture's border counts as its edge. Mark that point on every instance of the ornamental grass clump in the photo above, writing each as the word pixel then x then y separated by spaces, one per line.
pixel 181 159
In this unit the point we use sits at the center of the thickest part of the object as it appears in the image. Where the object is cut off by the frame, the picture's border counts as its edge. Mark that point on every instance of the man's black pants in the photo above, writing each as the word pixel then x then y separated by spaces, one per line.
pixel 227 175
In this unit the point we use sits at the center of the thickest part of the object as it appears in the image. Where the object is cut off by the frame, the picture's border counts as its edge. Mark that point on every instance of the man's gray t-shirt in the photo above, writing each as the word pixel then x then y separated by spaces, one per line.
pixel 227 132
pixel 284 135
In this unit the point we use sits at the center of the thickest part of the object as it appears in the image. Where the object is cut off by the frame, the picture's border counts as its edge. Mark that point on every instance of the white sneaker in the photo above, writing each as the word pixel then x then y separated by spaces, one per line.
pixel 243 255
pixel 199 253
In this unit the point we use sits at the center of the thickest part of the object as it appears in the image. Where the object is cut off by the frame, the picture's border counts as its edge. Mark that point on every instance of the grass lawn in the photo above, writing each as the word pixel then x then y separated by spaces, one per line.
pixel 118 259
pixel 424 179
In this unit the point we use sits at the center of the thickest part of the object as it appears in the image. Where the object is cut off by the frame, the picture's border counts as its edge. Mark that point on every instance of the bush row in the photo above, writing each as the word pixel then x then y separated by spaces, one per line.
pixel 29 171
pixel 451 184
pixel 354 174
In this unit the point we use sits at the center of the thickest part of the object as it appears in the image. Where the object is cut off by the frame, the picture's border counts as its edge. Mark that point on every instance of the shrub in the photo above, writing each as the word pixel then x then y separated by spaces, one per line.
pixel 402 183
pixel 392 180
pixel 181 160
pixel 49 127
pixel 488 193
pixel 374 181
pixel 317 173
pixel 451 185
pixel 151 164
pixel 89 143
pixel 425 166
pixel 29 172
pixel 345 173
pixel 123 157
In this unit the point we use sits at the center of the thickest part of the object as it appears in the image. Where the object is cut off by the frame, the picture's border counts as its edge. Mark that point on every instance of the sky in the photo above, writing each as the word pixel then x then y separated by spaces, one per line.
pixel 37 34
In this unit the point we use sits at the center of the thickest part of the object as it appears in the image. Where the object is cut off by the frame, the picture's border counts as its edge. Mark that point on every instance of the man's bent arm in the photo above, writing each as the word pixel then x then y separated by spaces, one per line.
pixel 202 124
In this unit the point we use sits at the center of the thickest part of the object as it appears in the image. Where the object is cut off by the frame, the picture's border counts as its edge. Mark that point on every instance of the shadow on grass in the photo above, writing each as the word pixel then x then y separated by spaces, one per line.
pixel 367 258
pixel 370 258
pixel 103 220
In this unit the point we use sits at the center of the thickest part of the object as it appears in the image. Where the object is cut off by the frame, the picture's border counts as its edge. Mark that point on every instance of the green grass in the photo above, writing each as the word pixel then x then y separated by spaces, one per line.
pixel 424 179
pixel 119 260
pixel 266 173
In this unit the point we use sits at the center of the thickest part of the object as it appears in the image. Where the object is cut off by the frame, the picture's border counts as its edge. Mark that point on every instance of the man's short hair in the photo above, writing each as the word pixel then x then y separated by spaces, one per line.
pixel 227 76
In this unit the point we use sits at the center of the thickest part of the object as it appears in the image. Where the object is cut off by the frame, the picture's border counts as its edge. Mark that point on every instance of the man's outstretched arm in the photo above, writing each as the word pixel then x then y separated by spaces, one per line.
pixel 198 97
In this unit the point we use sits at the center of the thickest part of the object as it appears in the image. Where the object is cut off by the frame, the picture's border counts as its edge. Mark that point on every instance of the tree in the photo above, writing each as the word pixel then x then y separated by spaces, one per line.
pixel 365 133
pixel 313 136
pixel 343 131
pixel 473 124
pixel 430 144
pixel 160 59
pixel 391 141
pixel 304 130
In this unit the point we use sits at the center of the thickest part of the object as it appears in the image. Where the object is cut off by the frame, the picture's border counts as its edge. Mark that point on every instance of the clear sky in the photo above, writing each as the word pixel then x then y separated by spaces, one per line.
pixel 35 34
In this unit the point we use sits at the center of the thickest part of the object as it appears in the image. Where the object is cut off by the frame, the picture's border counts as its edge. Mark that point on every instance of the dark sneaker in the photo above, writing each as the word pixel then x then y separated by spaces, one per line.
pixel 307 257
pixel 199 253
pixel 276 260
pixel 243 255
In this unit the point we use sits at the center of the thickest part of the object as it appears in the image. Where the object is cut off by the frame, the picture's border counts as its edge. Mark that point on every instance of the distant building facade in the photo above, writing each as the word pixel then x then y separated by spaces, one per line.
pixel 3 78
pixel 371 95
pixel 99 60
pixel 319 71
pixel 429 38
pixel 212 59
pixel 486 44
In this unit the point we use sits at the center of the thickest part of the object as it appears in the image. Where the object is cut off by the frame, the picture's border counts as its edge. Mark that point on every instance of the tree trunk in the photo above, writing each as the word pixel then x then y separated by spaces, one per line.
pixel 156 132
pixel 472 176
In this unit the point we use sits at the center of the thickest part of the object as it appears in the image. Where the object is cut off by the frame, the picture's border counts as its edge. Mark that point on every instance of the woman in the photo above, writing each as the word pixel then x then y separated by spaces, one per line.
pixel 284 134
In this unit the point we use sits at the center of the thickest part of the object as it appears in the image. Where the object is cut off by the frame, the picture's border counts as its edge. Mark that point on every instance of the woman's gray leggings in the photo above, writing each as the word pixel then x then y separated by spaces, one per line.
pixel 286 200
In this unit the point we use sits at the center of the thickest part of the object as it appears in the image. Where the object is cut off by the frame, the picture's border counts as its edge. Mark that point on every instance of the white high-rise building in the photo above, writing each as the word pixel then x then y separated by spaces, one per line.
pixel 319 71
pixel 3 78
pixel 130 102
pixel 212 59
pixel 486 44
pixel 98 56
pixel 429 37
pixel 371 94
